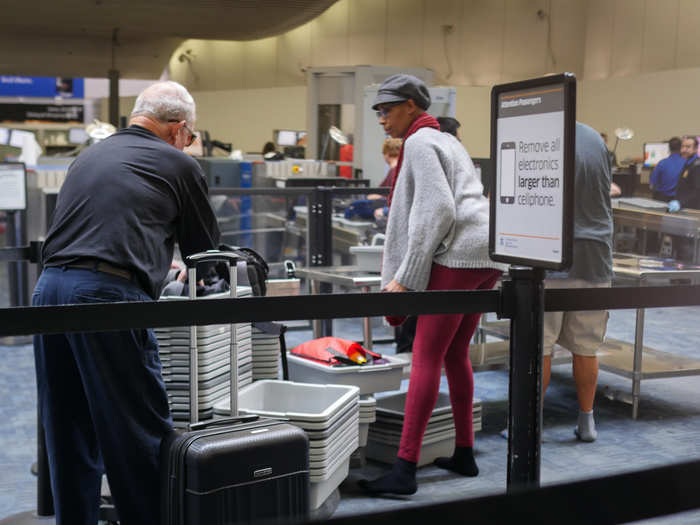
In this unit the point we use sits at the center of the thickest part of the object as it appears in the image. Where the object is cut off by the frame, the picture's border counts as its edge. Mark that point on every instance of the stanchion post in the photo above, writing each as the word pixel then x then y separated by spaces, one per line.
pixel 526 294
pixel 320 214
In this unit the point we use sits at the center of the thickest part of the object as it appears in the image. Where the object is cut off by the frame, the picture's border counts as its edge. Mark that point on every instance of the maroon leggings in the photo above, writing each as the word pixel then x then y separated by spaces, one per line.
pixel 443 338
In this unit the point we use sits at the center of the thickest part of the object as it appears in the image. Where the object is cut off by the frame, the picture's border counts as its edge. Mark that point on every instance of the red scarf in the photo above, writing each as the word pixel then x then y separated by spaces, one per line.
pixel 423 121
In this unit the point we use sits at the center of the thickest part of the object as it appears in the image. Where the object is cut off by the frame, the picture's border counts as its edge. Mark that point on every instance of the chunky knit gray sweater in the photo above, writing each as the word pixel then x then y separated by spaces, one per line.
pixel 438 213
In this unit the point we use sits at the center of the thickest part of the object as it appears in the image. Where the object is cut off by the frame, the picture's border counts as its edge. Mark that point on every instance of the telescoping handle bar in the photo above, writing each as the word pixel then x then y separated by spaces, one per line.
pixel 192 262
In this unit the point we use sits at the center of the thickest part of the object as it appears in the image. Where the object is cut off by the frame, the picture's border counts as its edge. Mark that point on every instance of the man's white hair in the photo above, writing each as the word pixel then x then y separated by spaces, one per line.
pixel 166 101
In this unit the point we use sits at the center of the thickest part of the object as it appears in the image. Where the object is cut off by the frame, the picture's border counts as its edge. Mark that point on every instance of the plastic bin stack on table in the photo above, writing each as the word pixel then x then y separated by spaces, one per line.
pixel 385 434
pixel 266 355
pixel 213 347
pixel 329 414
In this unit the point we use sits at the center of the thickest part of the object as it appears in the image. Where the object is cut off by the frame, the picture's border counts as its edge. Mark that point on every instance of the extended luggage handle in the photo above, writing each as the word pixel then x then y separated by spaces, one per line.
pixel 191 261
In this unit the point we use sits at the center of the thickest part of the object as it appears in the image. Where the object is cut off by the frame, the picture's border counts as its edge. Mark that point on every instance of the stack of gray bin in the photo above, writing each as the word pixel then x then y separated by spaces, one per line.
pixel 266 355
pixel 213 348
pixel 385 433
pixel 368 415
pixel 330 416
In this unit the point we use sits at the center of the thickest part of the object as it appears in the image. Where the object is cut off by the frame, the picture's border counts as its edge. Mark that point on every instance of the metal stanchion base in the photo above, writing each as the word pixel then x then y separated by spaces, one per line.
pixel 27 518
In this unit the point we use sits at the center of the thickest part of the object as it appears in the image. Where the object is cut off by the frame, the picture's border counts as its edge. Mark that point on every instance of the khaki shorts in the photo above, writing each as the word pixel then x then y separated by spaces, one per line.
pixel 582 332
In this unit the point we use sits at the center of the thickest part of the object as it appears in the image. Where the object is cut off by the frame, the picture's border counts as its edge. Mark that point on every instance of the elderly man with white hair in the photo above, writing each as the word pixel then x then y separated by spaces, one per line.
pixel 125 202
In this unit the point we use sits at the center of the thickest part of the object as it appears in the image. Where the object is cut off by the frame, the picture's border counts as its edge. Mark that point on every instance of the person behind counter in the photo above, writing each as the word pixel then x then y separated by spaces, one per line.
pixel 664 178
pixel 101 395
pixel 688 188
pixel 437 239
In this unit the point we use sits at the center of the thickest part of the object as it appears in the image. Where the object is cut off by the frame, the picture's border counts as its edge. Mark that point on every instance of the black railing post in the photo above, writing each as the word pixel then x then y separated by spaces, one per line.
pixel 321 241
pixel 525 387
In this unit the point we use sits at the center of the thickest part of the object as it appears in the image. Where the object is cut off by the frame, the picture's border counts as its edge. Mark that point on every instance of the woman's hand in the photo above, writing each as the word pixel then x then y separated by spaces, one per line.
pixel 393 286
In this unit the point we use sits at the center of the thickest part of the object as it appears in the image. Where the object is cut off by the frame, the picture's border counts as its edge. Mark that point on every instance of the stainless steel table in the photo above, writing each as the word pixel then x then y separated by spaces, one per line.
pixel 345 276
pixel 685 223
pixel 636 361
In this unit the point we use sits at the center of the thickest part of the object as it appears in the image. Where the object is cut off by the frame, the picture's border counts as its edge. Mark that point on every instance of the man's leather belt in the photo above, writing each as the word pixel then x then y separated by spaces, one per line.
pixel 101 266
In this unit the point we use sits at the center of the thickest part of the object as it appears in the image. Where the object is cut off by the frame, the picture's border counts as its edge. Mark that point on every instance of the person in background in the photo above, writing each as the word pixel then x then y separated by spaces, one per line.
pixel 269 147
pixel 612 158
pixel 687 191
pixel 689 148
pixel 449 125
pixel 583 332
pixel 390 151
pixel 101 395
pixel 345 155
pixel 437 239
pixel 664 177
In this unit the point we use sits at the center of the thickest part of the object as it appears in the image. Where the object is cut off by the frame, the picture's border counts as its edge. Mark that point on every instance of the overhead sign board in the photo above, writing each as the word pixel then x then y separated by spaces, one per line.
pixel 533 151
pixel 45 87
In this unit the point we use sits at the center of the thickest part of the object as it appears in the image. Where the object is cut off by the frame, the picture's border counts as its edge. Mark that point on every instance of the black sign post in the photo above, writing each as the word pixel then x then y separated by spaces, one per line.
pixel 531 227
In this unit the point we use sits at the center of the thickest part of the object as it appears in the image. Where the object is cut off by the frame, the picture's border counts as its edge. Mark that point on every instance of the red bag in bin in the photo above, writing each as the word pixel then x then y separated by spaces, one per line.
pixel 334 351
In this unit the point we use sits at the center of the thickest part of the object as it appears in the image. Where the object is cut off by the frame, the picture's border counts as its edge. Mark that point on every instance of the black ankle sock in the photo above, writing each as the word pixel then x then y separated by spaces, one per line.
pixel 462 462
pixel 400 480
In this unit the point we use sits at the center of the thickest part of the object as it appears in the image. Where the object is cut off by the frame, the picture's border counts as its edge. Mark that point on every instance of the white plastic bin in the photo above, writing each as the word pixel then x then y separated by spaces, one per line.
pixel 368 378
pixel 295 401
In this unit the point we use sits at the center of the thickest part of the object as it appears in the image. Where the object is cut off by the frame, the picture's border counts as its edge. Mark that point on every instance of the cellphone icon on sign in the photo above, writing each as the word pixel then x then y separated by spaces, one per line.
pixel 507 174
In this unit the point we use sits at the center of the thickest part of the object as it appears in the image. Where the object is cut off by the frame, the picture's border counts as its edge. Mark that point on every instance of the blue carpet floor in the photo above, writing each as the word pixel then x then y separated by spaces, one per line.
pixel 665 432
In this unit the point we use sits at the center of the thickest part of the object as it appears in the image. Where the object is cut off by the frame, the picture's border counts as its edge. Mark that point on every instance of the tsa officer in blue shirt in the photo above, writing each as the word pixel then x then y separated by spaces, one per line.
pixel 664 178
pixel 683 196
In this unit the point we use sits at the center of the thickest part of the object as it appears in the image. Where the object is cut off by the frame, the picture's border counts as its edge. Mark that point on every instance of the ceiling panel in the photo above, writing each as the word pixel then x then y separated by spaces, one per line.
pixel 77 37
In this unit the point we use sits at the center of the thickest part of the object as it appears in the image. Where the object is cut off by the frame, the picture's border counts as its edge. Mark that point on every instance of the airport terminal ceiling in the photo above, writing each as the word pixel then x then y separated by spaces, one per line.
pixel 77 38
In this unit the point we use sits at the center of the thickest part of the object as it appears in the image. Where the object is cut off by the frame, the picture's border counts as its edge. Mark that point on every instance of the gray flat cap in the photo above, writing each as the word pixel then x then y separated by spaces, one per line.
pixel 399 88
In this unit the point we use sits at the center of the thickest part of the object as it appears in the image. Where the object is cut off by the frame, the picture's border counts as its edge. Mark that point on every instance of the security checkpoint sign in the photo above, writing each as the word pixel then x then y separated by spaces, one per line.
pixel 533 150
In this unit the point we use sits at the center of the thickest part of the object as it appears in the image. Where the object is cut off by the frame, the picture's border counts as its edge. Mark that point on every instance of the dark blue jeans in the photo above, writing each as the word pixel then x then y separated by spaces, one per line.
pixel 103 404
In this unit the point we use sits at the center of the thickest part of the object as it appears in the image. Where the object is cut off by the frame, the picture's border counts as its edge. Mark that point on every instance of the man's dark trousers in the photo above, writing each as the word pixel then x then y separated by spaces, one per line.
pixel 103 404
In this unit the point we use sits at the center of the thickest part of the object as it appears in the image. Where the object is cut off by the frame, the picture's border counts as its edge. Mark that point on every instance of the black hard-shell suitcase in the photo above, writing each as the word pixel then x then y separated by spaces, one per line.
pixel 237 469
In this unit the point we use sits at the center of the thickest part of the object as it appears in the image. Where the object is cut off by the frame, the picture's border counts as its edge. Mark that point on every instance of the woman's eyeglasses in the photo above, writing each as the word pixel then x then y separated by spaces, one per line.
pixel 384 109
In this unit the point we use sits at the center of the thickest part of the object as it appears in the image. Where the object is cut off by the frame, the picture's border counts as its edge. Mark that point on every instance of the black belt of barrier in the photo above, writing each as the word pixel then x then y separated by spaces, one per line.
pixel 115 316
pixel 619 498
pixel 566 300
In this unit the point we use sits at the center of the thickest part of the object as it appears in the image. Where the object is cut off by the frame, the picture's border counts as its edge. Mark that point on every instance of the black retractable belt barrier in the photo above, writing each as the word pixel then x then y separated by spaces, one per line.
pixel 202 312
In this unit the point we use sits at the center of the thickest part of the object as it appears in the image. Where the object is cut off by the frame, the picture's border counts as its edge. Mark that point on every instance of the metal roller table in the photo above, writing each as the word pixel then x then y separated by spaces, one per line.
pixel 650 215
pixel 636 361
pixel 632 360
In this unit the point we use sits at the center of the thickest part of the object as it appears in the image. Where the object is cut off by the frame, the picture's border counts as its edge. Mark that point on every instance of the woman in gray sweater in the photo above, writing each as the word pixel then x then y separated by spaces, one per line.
pixel 437 239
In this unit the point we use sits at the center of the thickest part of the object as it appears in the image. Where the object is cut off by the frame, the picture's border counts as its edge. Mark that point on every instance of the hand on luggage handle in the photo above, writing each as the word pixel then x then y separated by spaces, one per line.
pixel 224 421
